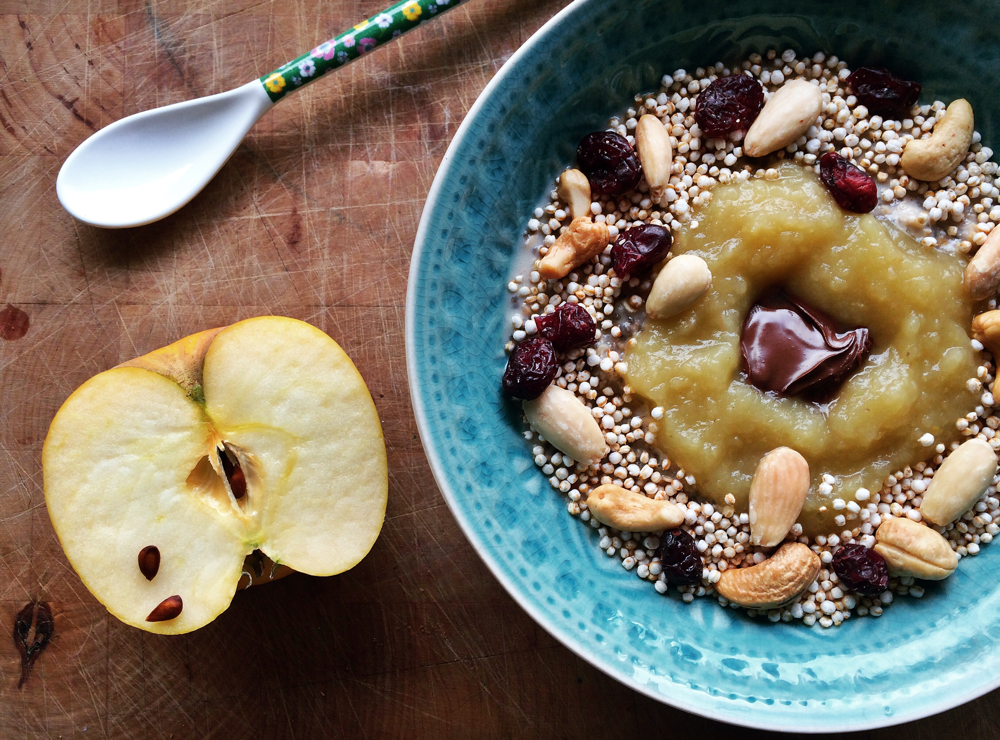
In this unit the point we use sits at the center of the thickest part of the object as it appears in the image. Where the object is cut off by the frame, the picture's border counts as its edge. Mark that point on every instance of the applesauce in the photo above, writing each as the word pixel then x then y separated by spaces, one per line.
pixel 789 233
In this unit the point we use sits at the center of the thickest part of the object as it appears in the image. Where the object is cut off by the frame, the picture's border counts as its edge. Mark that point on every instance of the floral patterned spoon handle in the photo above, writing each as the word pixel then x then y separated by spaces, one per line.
pixel 348 46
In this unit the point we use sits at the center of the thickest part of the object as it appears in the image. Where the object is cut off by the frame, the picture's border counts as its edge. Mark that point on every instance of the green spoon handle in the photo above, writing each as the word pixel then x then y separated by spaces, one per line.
pixel 351 44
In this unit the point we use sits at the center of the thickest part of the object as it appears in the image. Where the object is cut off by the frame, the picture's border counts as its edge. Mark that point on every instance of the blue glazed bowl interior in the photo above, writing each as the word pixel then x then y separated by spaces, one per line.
pixel 922 656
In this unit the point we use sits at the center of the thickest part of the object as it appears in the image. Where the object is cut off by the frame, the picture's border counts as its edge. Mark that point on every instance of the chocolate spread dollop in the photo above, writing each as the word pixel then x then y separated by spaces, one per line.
pixel 794 349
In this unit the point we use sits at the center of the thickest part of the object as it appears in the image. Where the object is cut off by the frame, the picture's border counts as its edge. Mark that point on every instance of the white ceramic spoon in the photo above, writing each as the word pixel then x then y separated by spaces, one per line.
pixel 146 166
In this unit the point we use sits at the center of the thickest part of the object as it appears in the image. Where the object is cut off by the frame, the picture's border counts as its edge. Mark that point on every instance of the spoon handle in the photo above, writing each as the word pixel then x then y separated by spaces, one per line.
pixel 351 44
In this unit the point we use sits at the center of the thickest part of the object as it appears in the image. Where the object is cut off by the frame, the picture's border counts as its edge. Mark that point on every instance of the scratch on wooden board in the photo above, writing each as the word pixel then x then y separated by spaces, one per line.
pixel 315 217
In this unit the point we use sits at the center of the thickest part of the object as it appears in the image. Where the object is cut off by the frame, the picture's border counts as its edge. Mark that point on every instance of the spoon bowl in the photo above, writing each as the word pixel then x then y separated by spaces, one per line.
pixel 146 166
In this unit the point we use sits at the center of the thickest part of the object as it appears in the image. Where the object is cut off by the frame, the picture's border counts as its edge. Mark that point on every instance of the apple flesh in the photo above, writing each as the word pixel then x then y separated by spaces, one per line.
pixel 134 459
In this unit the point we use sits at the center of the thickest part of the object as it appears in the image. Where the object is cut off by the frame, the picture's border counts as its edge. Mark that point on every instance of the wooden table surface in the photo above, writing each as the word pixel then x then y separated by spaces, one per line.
pixel 314 217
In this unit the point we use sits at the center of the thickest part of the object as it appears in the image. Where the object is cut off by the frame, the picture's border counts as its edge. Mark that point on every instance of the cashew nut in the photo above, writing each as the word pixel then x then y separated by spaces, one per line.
pixel 912 549
pixel 777 581
pixel 582 241
pixel 632 512
pixel 935 157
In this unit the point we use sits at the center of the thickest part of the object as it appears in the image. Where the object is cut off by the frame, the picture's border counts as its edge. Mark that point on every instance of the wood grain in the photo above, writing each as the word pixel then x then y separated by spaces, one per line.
pixel 314 217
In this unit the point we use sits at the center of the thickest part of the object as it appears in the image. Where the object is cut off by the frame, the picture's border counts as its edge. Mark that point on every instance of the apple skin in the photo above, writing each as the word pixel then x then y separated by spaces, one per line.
pixel 181 361
pixel 131 460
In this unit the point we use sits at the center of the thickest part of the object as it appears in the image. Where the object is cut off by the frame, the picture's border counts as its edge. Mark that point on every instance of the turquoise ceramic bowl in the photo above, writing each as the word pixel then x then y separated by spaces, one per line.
pixel 922 656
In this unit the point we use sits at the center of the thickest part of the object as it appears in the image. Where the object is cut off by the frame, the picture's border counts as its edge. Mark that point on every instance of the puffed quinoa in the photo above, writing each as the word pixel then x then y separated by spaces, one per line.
pixel 955 214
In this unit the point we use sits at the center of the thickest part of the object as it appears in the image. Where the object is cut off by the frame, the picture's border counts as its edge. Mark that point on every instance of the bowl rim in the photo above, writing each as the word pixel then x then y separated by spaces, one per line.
pixel 744 719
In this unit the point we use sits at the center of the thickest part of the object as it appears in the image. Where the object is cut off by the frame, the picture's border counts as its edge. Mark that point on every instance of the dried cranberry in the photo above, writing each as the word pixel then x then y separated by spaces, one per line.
pixel 530 368
pixel 637 249
pixel 883 93
pixel 609 162
pixel 569 327
pixel 849 185
pixel 728 104
pixel 679 558
pixel 861 569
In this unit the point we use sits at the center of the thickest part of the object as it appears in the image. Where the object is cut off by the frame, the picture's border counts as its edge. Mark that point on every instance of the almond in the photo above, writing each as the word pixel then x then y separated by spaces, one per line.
pixel 982 274
pixel 792 109
pixel 912 549
pixel 778 491
pixel 780 579
pixel 574 191
pixel 563 419
pixel 679 285
pixel 959 482
pixel 935 157
pixel 632 512
pixel 582 241
pixel 652 141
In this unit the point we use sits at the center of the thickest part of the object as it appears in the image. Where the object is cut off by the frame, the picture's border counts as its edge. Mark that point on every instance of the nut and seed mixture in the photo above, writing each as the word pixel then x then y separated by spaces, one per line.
pixel 956 213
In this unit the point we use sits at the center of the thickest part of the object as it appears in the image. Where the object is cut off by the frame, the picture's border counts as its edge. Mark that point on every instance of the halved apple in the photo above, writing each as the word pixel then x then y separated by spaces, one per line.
pixel 138 457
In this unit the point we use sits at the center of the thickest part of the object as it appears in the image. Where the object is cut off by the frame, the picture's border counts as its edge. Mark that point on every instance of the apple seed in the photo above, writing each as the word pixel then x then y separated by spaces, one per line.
pixel 166 610
pixel 237 478
pixel 149 561
pixel 238 482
